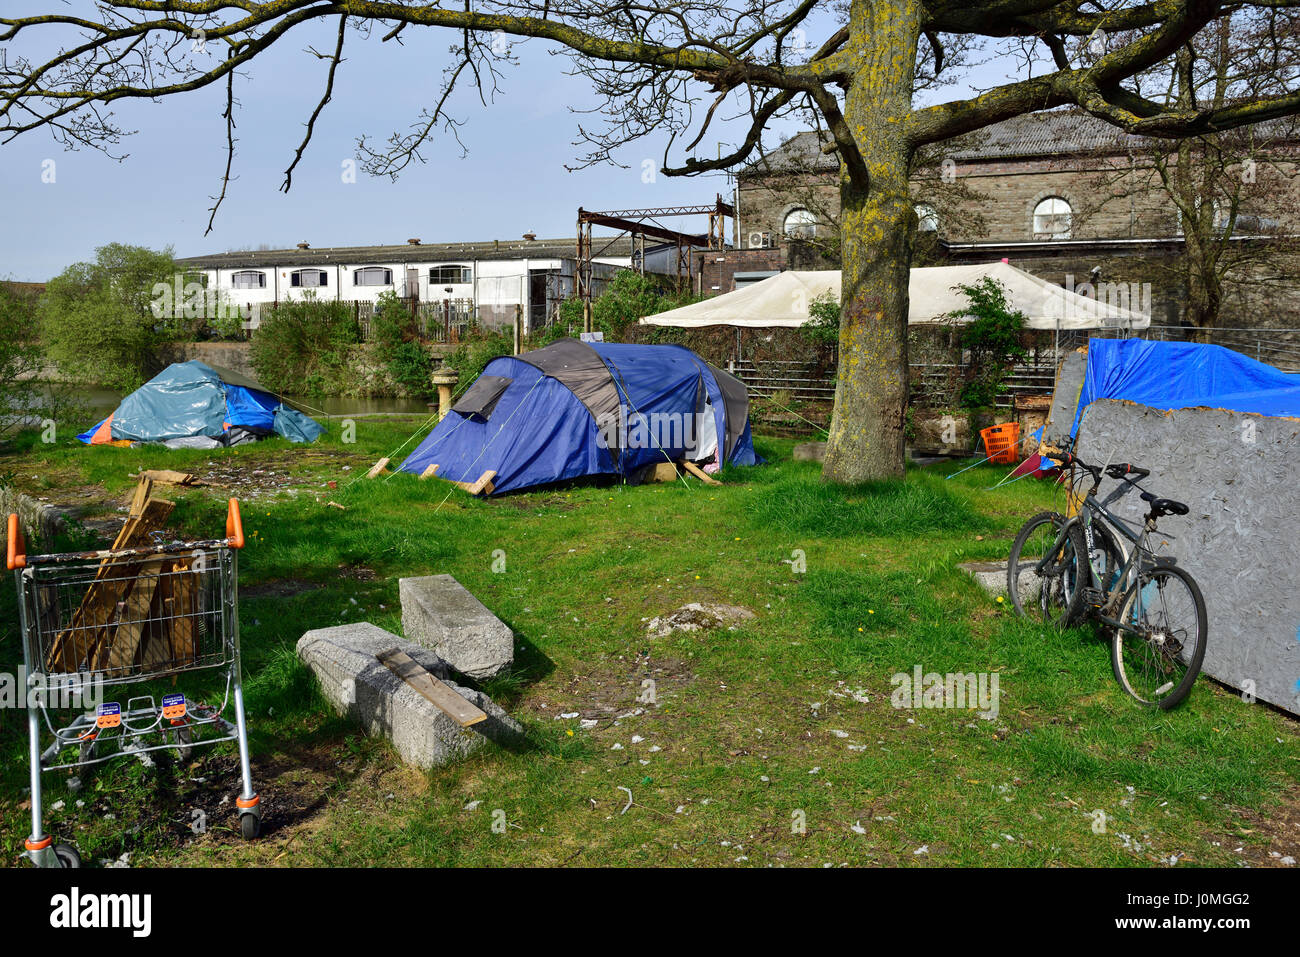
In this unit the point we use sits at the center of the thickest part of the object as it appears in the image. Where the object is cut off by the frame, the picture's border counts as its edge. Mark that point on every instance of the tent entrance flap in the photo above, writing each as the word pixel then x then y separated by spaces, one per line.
pixel 482 397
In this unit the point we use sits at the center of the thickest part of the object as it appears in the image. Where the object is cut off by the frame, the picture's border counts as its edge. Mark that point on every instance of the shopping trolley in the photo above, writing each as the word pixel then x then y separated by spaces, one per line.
pixel 95 622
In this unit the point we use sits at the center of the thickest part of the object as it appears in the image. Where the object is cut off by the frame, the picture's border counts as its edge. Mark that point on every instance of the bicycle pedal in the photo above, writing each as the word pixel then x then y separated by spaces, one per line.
pixel 1094 597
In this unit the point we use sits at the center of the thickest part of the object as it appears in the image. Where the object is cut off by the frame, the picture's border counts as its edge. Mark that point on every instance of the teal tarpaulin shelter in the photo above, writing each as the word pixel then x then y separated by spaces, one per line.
pixel 193 405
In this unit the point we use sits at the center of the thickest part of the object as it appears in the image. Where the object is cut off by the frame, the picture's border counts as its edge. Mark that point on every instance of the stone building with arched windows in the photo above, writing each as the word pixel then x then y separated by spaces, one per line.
pixel 1060 193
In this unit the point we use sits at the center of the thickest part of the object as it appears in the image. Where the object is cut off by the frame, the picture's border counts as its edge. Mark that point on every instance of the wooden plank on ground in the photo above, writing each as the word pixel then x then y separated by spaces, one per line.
pixel 430 472
pixel 378 469
pixel 409 670
pixel 700 474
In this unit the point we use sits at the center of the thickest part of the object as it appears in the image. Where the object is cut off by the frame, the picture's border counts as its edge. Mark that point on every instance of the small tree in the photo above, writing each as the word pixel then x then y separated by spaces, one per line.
pixel 396 338
pixel 97 319
pixel 629 296
pixel 302 346
pixel 20 358
pixel 990 331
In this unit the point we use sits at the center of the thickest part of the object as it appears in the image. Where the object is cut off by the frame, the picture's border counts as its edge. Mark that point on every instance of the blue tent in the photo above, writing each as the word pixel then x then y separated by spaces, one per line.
pixel 192 405
pixel 1184 375
pixel 578 408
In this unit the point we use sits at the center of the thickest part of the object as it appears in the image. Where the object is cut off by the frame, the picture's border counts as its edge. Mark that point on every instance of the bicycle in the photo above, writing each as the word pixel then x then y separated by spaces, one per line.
pixel 1153 606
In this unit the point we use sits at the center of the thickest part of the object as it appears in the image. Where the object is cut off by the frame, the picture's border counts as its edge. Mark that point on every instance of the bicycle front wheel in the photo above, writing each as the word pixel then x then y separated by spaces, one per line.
pixel 1042 576
pixel 1158 654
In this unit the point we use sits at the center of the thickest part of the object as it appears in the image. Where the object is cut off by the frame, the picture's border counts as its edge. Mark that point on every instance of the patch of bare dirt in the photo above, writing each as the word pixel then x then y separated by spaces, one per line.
pixel 1269 837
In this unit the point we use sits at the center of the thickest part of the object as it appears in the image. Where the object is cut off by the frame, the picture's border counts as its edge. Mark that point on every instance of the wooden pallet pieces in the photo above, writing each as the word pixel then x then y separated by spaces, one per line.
pixel 104 604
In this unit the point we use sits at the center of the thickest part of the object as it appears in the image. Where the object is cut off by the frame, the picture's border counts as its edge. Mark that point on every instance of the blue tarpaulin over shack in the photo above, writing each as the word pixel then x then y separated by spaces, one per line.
pixel 1184 375
pixel 589 408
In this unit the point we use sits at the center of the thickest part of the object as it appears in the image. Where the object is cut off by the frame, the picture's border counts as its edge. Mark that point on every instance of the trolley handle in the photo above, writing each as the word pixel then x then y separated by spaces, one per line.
pixel 17 557
pixel 234 525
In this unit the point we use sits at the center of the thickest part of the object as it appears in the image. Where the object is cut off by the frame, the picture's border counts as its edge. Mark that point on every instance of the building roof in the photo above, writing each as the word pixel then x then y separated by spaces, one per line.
pixel 1050 133
pixel 407 253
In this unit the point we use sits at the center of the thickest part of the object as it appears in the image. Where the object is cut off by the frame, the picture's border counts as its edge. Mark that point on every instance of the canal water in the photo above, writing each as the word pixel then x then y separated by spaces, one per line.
pixel 103 401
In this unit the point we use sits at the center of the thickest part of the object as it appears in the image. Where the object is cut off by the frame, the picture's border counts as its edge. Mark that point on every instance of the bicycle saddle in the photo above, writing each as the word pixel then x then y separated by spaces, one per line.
pixel 1164 506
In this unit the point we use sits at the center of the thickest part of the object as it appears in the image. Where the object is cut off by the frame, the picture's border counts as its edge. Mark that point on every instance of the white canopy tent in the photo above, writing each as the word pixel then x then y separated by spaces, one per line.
pixel 783 300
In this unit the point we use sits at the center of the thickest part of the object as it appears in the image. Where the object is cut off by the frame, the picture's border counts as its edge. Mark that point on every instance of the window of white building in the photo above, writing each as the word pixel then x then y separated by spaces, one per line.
pixel 450 275
pixel 372 276
pixel 248 279
pixel 309 278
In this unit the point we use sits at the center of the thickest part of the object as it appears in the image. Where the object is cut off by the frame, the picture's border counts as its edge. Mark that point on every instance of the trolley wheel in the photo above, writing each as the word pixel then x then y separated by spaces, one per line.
pixel 67 855
pixel 251 826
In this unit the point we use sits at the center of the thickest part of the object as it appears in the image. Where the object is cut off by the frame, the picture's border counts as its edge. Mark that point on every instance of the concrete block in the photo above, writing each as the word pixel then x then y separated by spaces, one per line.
pixel 810 452
pixel 1241 539
pixel 439 613
pixel 991 576
pixel 357 685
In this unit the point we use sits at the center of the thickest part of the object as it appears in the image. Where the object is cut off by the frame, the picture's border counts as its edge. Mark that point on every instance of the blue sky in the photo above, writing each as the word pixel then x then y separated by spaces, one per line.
pixel 512 181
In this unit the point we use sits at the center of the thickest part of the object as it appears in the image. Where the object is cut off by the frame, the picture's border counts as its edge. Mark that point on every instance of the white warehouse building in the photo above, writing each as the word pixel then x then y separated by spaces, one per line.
pixel 487 280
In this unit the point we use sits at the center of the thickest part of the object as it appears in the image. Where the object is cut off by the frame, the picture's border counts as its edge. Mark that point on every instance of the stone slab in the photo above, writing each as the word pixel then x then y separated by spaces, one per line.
pixel 358 685
pixel 440 614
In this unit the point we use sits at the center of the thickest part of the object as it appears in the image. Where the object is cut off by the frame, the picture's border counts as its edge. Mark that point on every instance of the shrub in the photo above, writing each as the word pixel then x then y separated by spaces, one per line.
pixel 97 319
pixel 473 354
pixel 302 346
pixel 396 337
pixel 991 331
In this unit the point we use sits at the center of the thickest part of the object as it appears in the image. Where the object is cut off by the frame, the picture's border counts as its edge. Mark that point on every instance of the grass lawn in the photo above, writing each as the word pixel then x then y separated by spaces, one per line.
pixel 774 743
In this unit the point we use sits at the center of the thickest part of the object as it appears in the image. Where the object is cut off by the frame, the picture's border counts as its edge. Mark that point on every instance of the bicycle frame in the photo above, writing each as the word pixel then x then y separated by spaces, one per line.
pixel 1128 572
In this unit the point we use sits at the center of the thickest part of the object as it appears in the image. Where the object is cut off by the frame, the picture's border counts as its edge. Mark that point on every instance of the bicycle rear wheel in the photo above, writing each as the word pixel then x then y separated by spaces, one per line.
pixel 1041 584
pixel 1157 657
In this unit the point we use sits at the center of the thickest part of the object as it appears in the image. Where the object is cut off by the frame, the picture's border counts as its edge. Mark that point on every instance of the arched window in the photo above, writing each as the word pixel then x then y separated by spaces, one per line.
pixel 927 220
pixel 1052 219
pixel 372 276
pixel 800 224
pixel 248 279
pixel 309 278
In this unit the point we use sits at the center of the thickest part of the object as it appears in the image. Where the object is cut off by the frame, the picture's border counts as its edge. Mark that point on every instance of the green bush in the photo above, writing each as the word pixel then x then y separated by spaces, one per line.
pixel 396 337
pixel 472 355
pixel 302 347
pixel 990 330
pixel 823 328
pixel 98 319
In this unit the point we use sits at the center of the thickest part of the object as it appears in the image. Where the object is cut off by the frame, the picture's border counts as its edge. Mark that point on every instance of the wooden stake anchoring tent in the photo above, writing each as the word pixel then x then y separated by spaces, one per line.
pixel 481 487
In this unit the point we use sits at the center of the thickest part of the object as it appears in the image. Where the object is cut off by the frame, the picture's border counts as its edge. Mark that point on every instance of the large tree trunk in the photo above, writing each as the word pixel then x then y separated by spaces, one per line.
pixel 877 227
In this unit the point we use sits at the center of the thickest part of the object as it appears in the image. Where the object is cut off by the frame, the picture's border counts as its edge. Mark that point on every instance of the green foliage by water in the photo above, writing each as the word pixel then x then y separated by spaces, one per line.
pixel 396 337
pixel 302 347
pixel 97 320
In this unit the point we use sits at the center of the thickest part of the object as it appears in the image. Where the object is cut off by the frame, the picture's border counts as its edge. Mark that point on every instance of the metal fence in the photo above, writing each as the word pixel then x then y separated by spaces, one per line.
pixel 935 381
pixel 444 320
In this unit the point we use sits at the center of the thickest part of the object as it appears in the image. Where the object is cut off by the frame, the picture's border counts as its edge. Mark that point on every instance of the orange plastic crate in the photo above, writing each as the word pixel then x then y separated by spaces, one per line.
pixel 1002 442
